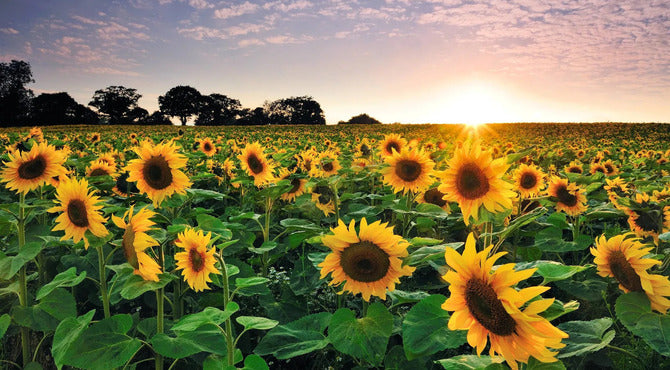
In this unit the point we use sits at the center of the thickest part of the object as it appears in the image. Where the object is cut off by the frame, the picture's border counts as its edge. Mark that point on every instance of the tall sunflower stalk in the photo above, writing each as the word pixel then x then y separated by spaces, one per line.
pixel 23 286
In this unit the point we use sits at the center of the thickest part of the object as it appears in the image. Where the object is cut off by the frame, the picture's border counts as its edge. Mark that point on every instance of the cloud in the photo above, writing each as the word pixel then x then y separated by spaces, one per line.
pixel 236 10
pixel 292 6
pixel 9 31
pixel 287 39
pixel 111 71
pixel 250 42
pixel 201 32
pixel 200 4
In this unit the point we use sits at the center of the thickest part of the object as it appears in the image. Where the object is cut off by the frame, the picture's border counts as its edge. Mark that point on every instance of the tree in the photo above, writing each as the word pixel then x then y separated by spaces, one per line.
pixel 249 117
pixel 361 119
pixel 300 110
pixel 117 102
pixel 60 109
pixel 14 97
pixel 156 118
pixel 217 109
pixel 180 101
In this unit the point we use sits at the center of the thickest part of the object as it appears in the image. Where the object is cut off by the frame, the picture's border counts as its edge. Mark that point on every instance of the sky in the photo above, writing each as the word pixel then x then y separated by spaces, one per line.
pixel 434 61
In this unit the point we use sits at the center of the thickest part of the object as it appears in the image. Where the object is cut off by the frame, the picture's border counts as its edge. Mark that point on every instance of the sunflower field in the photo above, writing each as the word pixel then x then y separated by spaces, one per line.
pixel 523 246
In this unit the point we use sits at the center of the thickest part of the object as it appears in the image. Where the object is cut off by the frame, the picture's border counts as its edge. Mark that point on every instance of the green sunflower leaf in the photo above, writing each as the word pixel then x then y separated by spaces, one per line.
pixel 296 338
pixel 634 311
pixel 67 278
pixel 586 336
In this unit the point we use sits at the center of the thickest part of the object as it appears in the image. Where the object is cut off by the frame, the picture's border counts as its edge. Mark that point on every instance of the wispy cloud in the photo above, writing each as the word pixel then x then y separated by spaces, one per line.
pixel 236 10
pixel 9 31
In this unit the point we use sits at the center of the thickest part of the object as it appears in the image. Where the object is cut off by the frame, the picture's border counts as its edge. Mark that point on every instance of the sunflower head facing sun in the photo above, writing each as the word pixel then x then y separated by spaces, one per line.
pixel 486 304
pixel 196 261
pixel 157 171
pixel 255 164
pixel 29 170
pixel 368 262
pixel 569 197
pixel 408 170
pixel 622 257
pixel 529 180
pixel 474 179
pixel 80 211
pixel 392 142
pixel 136 241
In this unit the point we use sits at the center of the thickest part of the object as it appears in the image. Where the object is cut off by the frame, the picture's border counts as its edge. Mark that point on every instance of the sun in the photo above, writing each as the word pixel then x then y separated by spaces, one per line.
pixel 477 102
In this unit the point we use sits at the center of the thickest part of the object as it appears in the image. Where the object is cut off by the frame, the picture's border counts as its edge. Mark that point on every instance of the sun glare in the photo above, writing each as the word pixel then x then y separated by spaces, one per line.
pixel 476 103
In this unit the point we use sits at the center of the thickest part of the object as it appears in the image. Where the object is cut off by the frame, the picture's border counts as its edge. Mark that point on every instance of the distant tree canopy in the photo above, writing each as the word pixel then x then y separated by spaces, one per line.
pixel 361 119
pixel 14 97
pixel 156 118
pixel 252 117
pixel 300 110
pixel 118 103
pixel 180 101
pixel 217 110
pixel 60 109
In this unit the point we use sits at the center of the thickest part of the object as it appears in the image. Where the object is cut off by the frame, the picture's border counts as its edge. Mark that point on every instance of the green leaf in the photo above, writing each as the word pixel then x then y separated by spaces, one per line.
pixel 472 362
pixel 634 311
pixel 395 360
pixel 399 297
pixel 248 282
pixel 420 242
pixel 424 329
pixel 552 270
pixel 254 322
pixel 586 336
pixel 4 324
pixel 210 315
pixel 202 194
pixel 67 278
pixel 209 337
pixel 213 224
pixel 265 247
pixel 255 362
pixel 558 309
pixel 9 266
pixel 304 277
pixel 299 224
pixel 135 285
pixel 67 332
pixel 104 345
pixel 535 364
pixel 59 304
pixel 296 338
pixel 364 338
pixel 430 253
pixel 176 348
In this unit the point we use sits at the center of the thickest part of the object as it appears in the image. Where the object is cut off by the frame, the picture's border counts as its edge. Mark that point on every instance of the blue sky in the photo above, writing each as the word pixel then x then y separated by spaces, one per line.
pixel 397 60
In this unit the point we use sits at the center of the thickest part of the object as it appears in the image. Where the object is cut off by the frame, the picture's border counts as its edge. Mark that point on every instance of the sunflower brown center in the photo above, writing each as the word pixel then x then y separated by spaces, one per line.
pixel 609 168
pixel 528 180
pixel 471 181
pixel 76 212
pixel 365 262
pixel 484 305
pixel 408 170
pixel 197 262
pixel 207 147
pixel 328 167
pixel 365 150
pixel 157 173
pixel 565 197
pixel 255 164
pixel 296 185
pixel 128 243
pixel 33 168
pixel 574 169
pixel 98 172
pixel 646 221
pixel 325 194
pixel 392 145
pixel 600 169
pixel 434 196
pixel 624 272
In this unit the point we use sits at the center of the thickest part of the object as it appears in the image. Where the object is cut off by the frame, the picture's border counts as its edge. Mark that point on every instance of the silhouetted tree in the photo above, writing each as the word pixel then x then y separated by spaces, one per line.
pixel 180 101
pixel 249 117
pixel 14 97
pixel 60 109
pixel 217 109
pixel 156 118
pixel 300 110
pixel 361 119
pixel 138 115
pixel 117 102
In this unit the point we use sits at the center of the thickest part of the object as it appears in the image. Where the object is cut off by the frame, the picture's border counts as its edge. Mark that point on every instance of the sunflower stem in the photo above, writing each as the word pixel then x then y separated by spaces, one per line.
pixel 23 286
pixel 159 323
pixel 226 299
pixel 336 202
pixel 266 235
pixel 104 292
pixel 364 311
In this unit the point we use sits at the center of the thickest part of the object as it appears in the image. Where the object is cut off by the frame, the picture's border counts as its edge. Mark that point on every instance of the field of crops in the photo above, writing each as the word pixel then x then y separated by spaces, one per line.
pixel 532 246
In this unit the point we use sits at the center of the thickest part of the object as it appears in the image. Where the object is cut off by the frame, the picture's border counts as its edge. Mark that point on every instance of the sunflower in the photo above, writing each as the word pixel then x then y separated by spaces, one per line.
pixel 489 308
pixel 661 196
pixel 30 169
pixel 255 164
pixel 323 196
pixel 390 143
pixel 616 188
pixel 135 241
pixel 597 167
pixel 433 196
pixel 196 261
pixel 475 179
pixel 574 167
pixel 156 171
pixel 93 138
pixel 359 164
pixel 306 160
pixel 327 165
pixel 369 263
pixel 80 211
pixel 100 168
pixel 569 197
pixel 298 185
pixel 622 257
pixel 646 223
pixel 529 180
pixel 610 168
pixel 408 170
pixel 124 188
pixel 109 158
pixel 207 147
pixel 364 149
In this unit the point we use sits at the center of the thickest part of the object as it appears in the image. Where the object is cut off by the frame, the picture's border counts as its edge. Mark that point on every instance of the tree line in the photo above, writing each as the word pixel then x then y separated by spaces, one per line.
pixel 119 105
